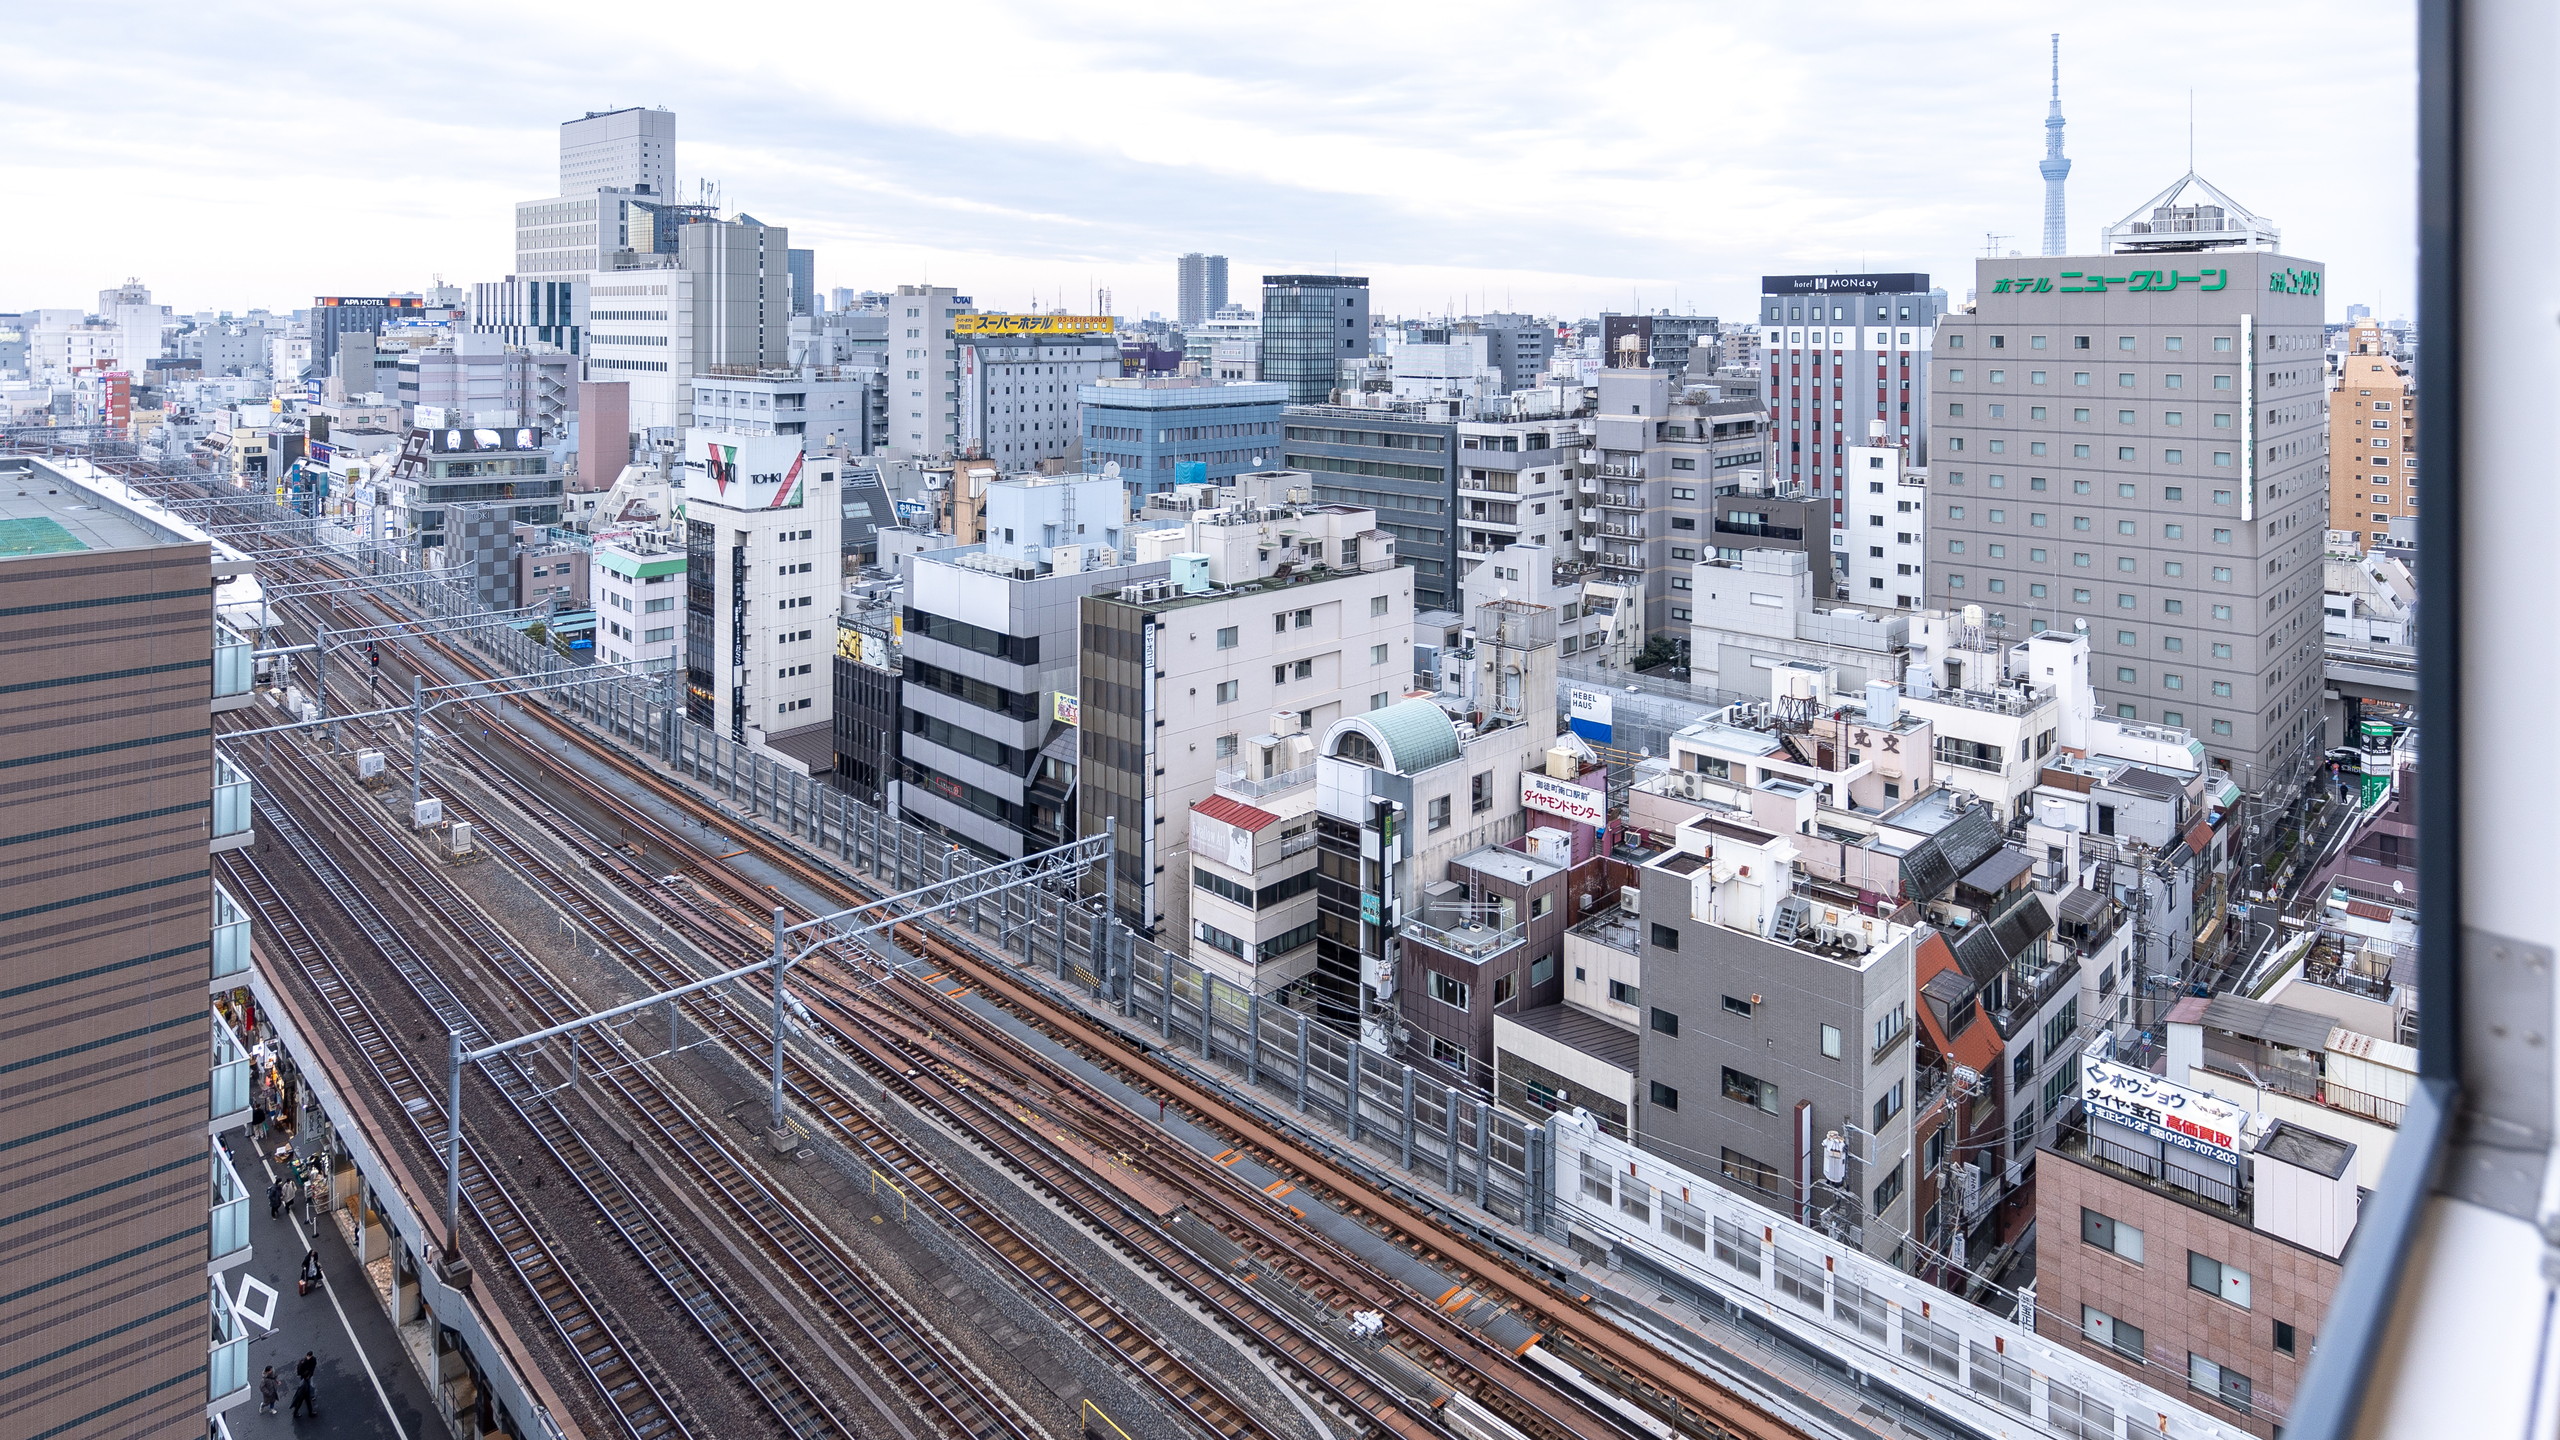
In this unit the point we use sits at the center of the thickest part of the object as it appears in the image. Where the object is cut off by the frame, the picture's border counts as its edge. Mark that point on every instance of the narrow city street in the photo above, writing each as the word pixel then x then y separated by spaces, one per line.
pixel 363 1386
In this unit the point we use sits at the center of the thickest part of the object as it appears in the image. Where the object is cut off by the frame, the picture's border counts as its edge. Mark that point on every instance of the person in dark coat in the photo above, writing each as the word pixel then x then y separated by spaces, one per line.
pixel 275 1201
pixel 270 1389
pixel 304 1367
pixel 304 1400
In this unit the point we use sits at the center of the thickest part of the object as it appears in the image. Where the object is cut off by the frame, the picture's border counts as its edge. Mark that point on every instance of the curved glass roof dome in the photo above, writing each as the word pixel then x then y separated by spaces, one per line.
pixel 1408 737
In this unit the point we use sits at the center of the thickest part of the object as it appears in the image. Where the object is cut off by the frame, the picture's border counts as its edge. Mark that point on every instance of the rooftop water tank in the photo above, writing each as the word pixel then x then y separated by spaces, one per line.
pixel 1883 704
pixel 1190 572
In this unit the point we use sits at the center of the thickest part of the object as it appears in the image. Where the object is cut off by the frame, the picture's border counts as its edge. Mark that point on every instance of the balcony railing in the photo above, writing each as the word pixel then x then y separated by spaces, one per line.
pixel 231 803
pixel 227 1361
pixel 228 1217
pixel 233 669
pixel 1297 844
pixel 230 939
pixel 1621 500
pixel 1233 779
pixel 1475 942
pixel 228 1104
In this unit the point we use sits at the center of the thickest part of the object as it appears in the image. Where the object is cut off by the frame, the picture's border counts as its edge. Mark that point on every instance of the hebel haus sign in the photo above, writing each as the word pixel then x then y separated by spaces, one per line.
pixel 2187 1119
pixel 1563 798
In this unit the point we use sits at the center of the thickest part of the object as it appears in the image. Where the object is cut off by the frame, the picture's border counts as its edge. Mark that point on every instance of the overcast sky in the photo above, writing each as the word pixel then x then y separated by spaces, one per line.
pixel 1557 158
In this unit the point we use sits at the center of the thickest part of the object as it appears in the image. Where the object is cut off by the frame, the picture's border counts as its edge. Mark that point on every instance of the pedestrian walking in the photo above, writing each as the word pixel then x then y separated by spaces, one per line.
pixel 304 1367
pixel 275 1200
pixel 270 1389
pixel 310 1271
pixel 303 1400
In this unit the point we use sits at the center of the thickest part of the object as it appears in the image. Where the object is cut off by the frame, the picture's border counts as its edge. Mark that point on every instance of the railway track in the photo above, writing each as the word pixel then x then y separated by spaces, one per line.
pixel 620 1377
pixel 1623 1363
pixel 527 1090
pixel 729 936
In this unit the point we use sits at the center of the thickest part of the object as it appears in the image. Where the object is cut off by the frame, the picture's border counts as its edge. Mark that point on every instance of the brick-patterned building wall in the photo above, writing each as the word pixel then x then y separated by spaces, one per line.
pixel 2288 1284
pixel 105 924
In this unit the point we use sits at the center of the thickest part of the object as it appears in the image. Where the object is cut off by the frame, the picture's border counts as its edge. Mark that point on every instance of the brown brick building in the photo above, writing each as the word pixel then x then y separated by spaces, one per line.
pixel 114 798
pixel 2373 438
pixel 2178 1287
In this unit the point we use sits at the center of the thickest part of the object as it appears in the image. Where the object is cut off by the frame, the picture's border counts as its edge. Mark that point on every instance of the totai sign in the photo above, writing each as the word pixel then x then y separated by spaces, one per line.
pixel 748 472
pixel 1031 324
pixel 2188 1119
pixel 1563 799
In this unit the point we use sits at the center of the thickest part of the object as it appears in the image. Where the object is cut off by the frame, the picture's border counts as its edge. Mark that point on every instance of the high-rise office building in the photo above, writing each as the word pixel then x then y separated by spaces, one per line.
pixel 1203 286
pixel 2131 444
pixel 1843 351
pixel 1310 325
pixel 627 149
pixel 2373 437
pixel 113 928
pixel 804 282
pixel 614 166
pixel 721 300
pixel 923 366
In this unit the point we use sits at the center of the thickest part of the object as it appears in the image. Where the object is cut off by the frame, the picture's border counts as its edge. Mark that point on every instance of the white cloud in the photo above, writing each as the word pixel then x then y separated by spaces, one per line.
pixel 1549 157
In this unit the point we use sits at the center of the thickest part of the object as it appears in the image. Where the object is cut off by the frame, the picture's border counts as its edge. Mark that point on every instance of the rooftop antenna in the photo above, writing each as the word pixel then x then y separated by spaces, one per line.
pixel 1991 243
pixel 2191 130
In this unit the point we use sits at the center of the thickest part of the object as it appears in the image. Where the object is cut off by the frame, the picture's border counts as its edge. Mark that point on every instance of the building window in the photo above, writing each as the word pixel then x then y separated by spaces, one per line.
pixel 1217 939
pixel 1440 812
pixel 1449 1053
pixel 1736 1005
pixel 1750 1090
pixel 1454 993
pixel 1665 937
pixel 1887 1106
pixel 2111 1235
pixel 2219 1381
pixel 1619 990
pixel 1226 637
pixel 1742 1169
pixel 1226 747
pixel 1480 793
pixel 1665 1022
pixel 2285 1339
pixel 1377 605
pixel 1830 1041
pixel 1227 691
pixel 1737 1247
pixel 1663 1096
pixel 1888 1190
pixel 1684 1222
pixel 2215 1278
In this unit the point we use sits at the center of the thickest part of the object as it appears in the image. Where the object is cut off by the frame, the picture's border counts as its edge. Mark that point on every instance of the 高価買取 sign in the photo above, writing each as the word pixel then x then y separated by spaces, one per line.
pixel 2189 1119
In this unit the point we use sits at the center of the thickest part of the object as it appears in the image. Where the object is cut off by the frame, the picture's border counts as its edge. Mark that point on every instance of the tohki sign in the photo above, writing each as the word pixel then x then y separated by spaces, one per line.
pixel 751 472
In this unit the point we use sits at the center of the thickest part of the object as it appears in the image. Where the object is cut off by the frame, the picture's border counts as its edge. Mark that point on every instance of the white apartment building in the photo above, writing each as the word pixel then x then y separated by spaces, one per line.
pixel 924 369
pixel 1274 605
pixel 825 411
pixel 1881 543
pixel 640 331
pixel 636 582
pixel 1599 613
pixel 761 523
pixel 1516 485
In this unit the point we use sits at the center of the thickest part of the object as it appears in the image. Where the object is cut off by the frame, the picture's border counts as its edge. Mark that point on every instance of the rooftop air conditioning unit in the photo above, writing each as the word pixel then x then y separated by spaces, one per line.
pixel 1630 898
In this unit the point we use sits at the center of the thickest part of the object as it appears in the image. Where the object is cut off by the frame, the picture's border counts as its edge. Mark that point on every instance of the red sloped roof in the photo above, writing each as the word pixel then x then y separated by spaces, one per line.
pixel 2366 910
pixel 1235 812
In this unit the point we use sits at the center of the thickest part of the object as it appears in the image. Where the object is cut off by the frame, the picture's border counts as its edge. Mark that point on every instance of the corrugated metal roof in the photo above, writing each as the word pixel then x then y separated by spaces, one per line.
pixel 2260 1020
pixel 1235 812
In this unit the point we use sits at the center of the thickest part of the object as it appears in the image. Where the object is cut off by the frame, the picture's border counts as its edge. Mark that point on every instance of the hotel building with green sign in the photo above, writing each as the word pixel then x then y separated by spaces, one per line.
pixel 2133 444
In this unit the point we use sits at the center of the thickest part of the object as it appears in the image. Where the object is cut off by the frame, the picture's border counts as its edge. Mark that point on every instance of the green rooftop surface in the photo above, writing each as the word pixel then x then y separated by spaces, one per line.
pixel 36 535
